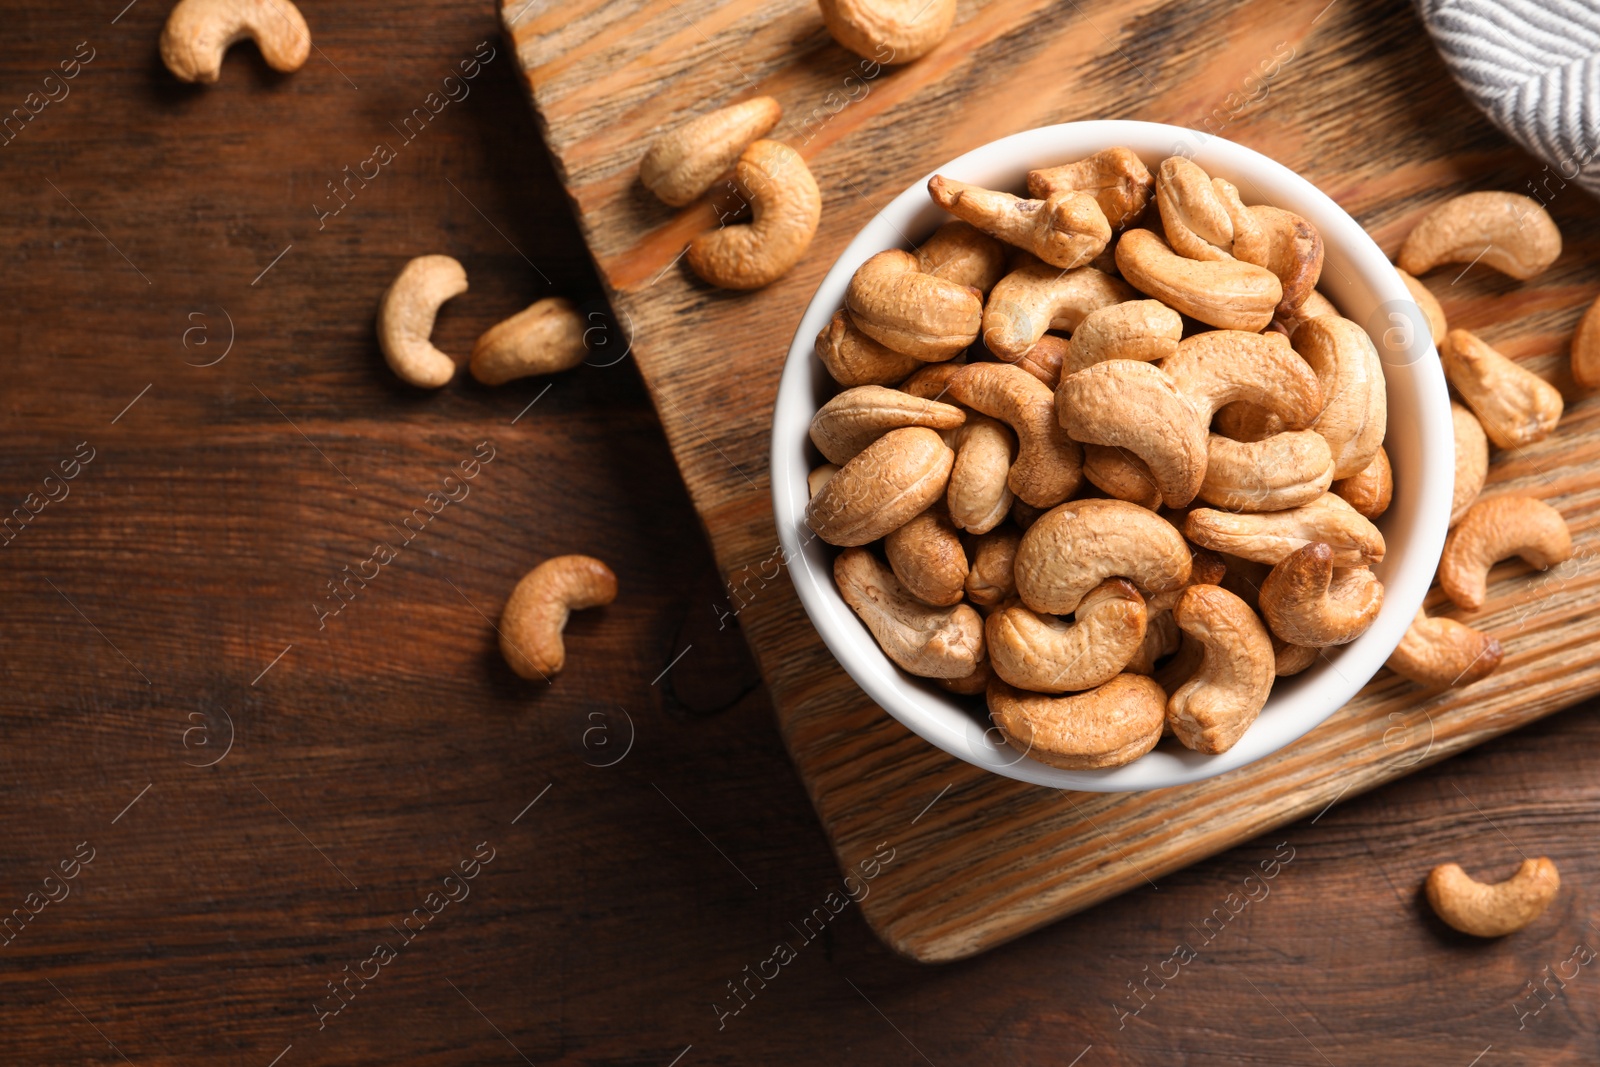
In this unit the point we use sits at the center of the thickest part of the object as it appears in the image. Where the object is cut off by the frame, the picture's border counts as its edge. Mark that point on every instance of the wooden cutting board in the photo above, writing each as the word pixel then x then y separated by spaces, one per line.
pixel 1349 93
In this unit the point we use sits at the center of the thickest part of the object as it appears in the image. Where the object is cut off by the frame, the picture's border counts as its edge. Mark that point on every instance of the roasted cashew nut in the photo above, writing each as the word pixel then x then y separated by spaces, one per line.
pixel 1205 568
pixel 1066 230
pixel 1472 461
pixel 1316 306
pixel 405 319
pixel 1428 304
pixel 853 358
pixel 1355 409
pixel 1116 177
pixel 1269 537
pixel 1229 294
pixel 1219 367
pixel 531 624
pixel 1049 465
pixel 1161 639
pixel 1496 909
pixel 932 380
pixel 1289 659
pixel 926 555
pixel 1097 406
pixel 1497 529
pixel 925 641
pixel 855 418
pixel 1289 247
pixel 1074 547
pixel 1044 360
pixel 960 252
pixel 1037 297
pixel 904 29
pixel 1105 727
pixel 913 313
pixel 1284 471
pixel 881 488
pixel 1438 652
pixel 1213 709
pixel 199 32
pixel 1371 491
pixel 681 165
pixel 1195 217
pixel 1044 654
pixel 1118 473
pixel 1143 330
pixel 1307 601
pixel 1515 406
pixel 991 581
pixel 1509 232
pixel 1586 349
pixel 785 207
pixel 819 477
pixel 545 338
pixel 979 497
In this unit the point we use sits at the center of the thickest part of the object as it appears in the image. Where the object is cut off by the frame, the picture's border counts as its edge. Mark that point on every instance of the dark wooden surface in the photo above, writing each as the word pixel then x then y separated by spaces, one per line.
pixel 378 752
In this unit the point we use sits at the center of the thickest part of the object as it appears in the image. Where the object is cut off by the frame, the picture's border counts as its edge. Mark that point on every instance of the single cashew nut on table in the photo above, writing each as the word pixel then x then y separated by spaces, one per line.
pixel 1126 404
pixel 1283 471
pixel 991 580
pixel 199 32
pixel 911 312
pixel 1515 406
pixel 1105 727
pixel 1269 537
pixel 1371 491
pixel 960 252
pixel 1143 330
pixel 855 418
pixel 1307 601
pixel 1586 349
pixel 1494 909
pixel 1116 177
pixel 1066 230
pixel 405 319
pixel 1429 305
pixel 926 641
pixel 681 165
pixel 853 358
pixel 1220 367
pixel 1049 464
pixel 1213 709
pixel 531 624
pixel 545 338
pixel 785 207
pixel 1472 461
pixel 1355 415
pixel 1037 297
pixel 1073 548
pixel 881 488
pixel 905 29
pixel 1229 294
pixel 1439 652
pixel 1497 529
pixel 926 555
pixel 979 495
pixel 1507 231
pixel 1044 654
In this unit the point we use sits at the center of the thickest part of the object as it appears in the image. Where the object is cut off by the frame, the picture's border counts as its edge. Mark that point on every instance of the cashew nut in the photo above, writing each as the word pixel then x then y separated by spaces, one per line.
pixel 1268 537
pixel 1429 305
pixel 1180 666
pixel 853 358
pixel 1074 547
pixel 819 477
pixel 1586 349
pixel 889 481
pixel 1136 406
pixel 1193 214
pixel 1492 910
pixel 1120 474
pixel 960 252
pixel 1161 639
pixel 904 29
pixel 1044 654
pixel 1218 367
pixel 544 338
pixel 531 624
pixel 932 380
pixel 1290 248
pixel 1509 232
pixel 978 496
pixel 1307 601
pixel 1356 400
pixel 1472 461
pixel 1497 529
pixel 682 164
pixel 911 312
pixel 1065 230
pixel 199 32
pixel 1315 307
pixel 1213 709
pixel 1143 330
pixel 928 642
pixel 1048 467
pixel 1036 297
pixel 1290 659
pixel 1205 568
pixel 405 319
pixel 1105 727
pixel 857 417
pixel 785 207
pixel 1228 293
pixel 1371 491
pixel 1438 652
pixel 1284 471
pixel 1515 406
pixel 1116 178
pixel 926 555
pixel 991 581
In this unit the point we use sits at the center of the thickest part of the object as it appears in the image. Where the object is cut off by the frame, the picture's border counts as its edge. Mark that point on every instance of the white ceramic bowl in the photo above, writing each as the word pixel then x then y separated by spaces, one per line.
pixel 1356 276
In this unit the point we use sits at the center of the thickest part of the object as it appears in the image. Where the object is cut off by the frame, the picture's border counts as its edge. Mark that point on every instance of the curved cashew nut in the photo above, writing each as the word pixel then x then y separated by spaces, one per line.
pixel 1213 709
pixel 1105 727
pixel 1074 547
pixel 1444 652
pixel 911 312
pixel 405 319
pixel 1356 400
pixel 1143 330
pixel 785 207
pixel 1270 536
pixel 1307 601
pixel 1497 529
pixel 1284 471
pixel 1066 230
pixel 1037 297
pixel 857 417
pixel 1229 294
pixel 544 338
pixel 853 358
pixel 1044 654
pixel 1371 491
pixel 531 624
pixel 1429 305
pixel 889 481
pixel 928 642
pixel 1315 306
pixel 1290 248
pixel 1472 461
pixel 960 252
pixel 1048 467
pixel 907 29
pixel 1095 404
pixel 1195 217
pixel 820 477
pixel 926 555
pixel 1290 659
pixel 978 496
pixel 991 581
pixel 1586 349
pixel 1219 367
pixel 681 165
pixel 1509 232
pixel 1120 474
pixel 1515 406
pixel 1116 178
pixel 199 32
pixel 1497 909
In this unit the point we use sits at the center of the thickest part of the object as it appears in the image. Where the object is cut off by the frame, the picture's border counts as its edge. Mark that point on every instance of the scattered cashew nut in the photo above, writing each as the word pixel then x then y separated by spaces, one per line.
pixel 405 319
pixel 1492 909
pixel 785 207
pixel 1507 231
pixel 1065 230
pixel 1472 461
pixel 1586 349
pixel 1212 710
pixel 1438 652
pixel 1307 601
pixel 531 624
pixel 1515 405
pixel 1497 529
pixel 928 642
pixel 544 338
pixel 905 29
pixel 1105 727
pixel 199 32
pixel 1429 305
pixel 681 165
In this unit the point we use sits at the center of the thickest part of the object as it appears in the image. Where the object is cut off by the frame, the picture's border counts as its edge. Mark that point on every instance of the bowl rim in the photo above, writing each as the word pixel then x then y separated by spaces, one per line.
pixel 1407 344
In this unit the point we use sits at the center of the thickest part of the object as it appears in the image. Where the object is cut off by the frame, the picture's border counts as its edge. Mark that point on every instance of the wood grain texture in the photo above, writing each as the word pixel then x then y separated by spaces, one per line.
pixel 1359 104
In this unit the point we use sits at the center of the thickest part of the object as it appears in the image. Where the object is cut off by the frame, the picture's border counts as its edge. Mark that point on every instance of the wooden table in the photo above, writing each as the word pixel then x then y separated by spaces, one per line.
pixel 165 603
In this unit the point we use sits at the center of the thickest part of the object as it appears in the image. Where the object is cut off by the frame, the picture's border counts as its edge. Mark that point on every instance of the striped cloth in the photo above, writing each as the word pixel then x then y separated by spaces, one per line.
pixel 1534 67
